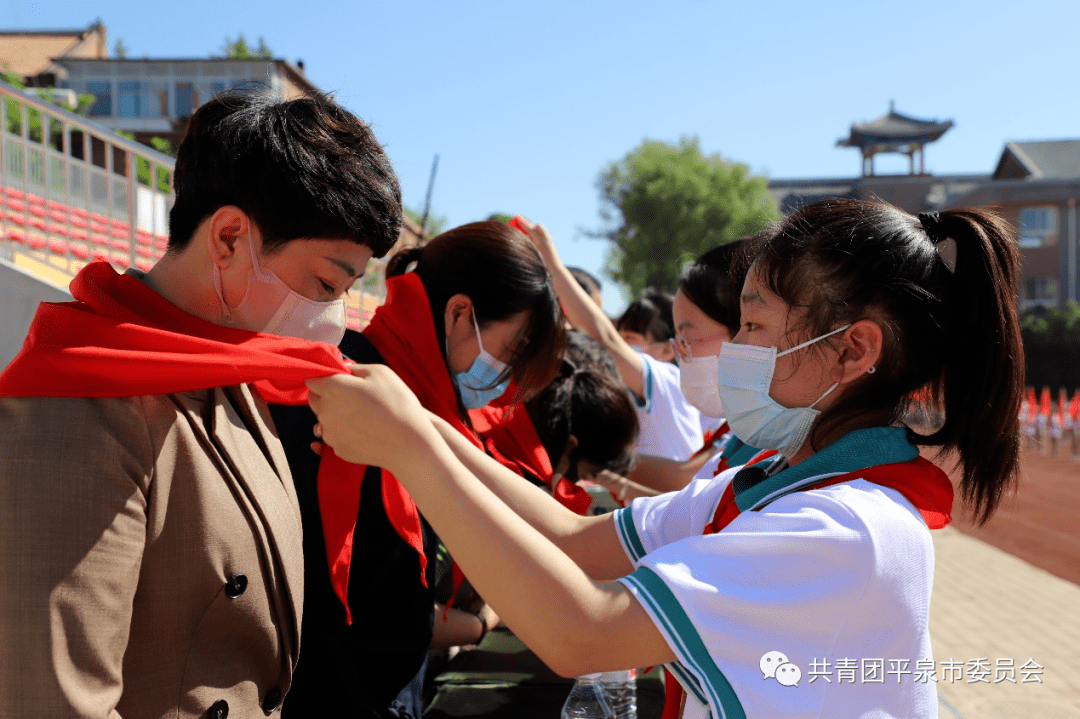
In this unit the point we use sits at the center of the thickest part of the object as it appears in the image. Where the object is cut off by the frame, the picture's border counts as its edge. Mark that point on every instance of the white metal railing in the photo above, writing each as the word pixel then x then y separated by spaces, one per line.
pixel 72 191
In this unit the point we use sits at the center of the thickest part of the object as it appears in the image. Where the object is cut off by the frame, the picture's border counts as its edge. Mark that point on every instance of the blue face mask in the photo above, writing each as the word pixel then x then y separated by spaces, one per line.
pixel 745 374
pixel 478 386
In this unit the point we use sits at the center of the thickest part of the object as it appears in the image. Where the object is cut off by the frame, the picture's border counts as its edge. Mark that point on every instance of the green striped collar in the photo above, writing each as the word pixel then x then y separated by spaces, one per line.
pixel 854 451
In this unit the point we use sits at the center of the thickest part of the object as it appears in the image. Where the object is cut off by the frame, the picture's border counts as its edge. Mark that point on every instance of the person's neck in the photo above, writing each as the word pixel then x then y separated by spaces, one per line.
pixel 185 280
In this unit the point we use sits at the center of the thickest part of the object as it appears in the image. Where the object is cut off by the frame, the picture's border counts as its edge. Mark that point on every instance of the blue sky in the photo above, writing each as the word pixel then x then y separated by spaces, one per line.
pixel 526 103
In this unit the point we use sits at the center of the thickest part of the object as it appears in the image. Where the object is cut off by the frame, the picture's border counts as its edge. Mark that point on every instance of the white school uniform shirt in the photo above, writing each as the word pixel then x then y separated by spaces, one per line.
pixel 838 573
pixel 670 426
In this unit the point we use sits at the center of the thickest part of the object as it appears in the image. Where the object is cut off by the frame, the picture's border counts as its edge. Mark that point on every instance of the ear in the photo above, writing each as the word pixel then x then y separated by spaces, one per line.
pixel 227 225
pixel 860 350
pixel 458 311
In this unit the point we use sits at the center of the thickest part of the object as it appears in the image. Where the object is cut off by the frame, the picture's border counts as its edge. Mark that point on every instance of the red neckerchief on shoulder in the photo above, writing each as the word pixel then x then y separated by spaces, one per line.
pixel 403 331
pixel 511 437
pixel 920 482
pixel 119 338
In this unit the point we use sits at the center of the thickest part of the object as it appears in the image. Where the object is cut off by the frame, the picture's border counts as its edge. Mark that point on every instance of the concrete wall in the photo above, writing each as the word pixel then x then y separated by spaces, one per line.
pixel 20 293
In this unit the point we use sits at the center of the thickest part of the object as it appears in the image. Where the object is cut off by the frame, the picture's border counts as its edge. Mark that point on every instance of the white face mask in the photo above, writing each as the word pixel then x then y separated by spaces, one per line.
pixel 269 306
pixel 699 380
pixel 744 375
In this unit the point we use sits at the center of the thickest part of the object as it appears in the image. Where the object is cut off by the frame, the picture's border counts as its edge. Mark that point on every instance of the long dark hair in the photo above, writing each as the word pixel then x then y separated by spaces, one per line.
pixel 954 334
pixel 496 267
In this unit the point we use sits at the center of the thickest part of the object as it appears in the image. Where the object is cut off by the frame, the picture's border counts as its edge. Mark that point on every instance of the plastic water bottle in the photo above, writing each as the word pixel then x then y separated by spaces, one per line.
pixel 621 691
pixel 587 700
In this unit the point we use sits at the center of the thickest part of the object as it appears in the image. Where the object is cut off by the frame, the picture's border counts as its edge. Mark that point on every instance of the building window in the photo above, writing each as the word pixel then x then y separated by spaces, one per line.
pixel 1038 226
pixel 185 99
pixel 102 92
pixel 1041 291
pixel 128 104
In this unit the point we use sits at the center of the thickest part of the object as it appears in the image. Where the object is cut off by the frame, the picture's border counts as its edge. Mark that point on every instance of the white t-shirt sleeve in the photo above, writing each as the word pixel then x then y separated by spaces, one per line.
pixel 670 426
pixel 652 522
pixel 786 579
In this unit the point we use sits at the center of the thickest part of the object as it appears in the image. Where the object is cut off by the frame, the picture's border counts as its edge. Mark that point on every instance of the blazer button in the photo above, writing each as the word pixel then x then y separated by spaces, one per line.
pixel 218 710
pixel 235 587
pixel 272 701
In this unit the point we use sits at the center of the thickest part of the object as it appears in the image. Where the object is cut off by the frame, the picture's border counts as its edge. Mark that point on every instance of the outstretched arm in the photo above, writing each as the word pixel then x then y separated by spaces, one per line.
pixel 591 542
pixel 573 623
pixel 585 315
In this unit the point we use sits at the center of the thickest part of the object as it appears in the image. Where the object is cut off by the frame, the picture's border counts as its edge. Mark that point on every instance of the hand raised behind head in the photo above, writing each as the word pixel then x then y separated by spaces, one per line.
pixel 538 235
pixel 369 417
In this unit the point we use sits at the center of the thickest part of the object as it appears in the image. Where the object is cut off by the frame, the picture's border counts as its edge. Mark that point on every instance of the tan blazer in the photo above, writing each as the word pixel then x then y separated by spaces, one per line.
pixel 150 557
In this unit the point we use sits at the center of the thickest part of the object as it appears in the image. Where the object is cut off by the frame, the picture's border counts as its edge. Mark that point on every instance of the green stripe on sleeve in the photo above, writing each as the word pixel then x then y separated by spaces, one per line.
pixel 624 526
pixel 662 604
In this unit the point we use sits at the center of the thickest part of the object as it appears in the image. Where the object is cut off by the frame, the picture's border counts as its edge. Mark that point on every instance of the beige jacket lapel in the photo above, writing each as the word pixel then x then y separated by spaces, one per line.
pixel 273 497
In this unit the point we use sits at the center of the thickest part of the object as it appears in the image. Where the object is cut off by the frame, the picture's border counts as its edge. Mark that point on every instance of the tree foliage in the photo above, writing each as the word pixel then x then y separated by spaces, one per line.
pixel 1052 346
pixel 669 203
pixel 435 223
pixel 239 49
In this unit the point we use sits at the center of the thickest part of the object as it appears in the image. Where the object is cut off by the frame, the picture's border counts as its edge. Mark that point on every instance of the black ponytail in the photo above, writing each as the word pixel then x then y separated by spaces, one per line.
pixel 981 386
pixel 399 263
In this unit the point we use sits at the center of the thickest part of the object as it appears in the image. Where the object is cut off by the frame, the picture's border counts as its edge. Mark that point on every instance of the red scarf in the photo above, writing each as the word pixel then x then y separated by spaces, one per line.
pixel 119 338
pixel 919 481
pixel 403 331
pixel 511 437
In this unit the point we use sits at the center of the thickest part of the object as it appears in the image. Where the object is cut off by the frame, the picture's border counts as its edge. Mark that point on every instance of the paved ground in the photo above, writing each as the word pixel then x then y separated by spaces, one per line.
pixel 1041 524
pixel 989 604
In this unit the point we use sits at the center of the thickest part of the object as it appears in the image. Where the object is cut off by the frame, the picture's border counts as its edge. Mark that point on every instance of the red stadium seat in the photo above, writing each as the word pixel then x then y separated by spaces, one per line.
pixel 16 236
pixel 58 247
pixel 144 265
pixel 35 242
pixel 80 251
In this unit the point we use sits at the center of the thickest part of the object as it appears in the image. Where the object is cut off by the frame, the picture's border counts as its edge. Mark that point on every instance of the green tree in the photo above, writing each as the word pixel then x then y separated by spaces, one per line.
pixel 500 217
pixel 668 203
pixel 239 49
pixel 435 223
pixel 121 49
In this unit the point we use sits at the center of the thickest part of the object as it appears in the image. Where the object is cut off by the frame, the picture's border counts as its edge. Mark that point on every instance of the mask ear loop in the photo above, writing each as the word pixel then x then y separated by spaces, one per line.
pixel 810 342
pixel 476 326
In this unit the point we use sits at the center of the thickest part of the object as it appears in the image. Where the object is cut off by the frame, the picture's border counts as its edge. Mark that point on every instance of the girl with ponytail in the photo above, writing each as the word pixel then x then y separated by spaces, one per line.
pixel 477 314
pixel 819 548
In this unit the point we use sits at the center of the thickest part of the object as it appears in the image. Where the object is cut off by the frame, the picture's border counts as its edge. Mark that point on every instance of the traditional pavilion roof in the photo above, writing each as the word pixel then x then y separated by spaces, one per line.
pixel 894 129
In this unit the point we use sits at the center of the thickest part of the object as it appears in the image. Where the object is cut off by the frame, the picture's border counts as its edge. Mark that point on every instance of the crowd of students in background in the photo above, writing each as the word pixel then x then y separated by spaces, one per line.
pixel 1050 425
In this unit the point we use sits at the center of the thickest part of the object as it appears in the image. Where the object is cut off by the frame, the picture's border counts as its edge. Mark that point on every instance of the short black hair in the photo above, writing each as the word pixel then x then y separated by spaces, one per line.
pixel 304 168
pixel 588 281
pixel 713 282
pixel 650 316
